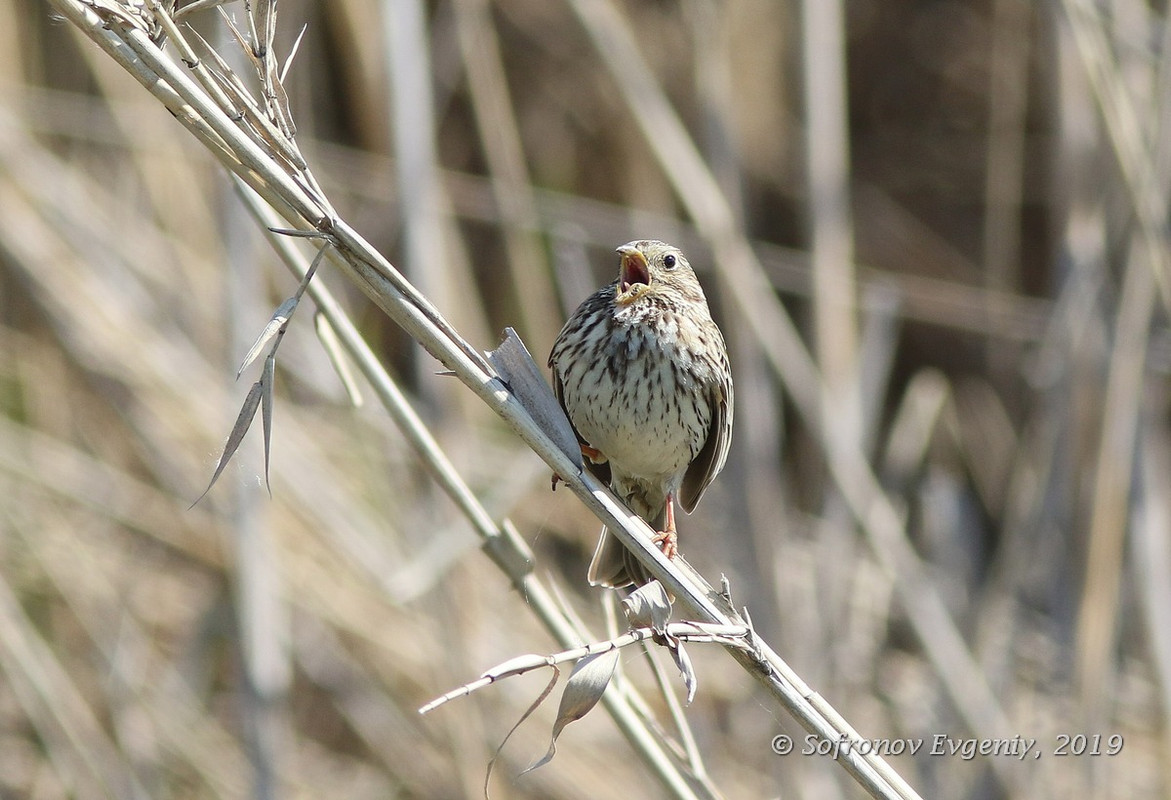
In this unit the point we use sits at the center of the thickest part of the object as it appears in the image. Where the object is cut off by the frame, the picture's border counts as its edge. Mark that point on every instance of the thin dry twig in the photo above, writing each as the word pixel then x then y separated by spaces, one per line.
pixel 729 635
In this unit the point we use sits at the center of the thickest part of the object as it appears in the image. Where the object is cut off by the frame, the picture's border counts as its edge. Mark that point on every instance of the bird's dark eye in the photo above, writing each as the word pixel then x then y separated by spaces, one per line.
pixel 669 261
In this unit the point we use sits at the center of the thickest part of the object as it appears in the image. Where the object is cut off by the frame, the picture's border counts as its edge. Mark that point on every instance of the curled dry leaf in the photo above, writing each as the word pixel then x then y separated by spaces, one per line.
pixel 648 607
pixel 588 681
pixel 683 662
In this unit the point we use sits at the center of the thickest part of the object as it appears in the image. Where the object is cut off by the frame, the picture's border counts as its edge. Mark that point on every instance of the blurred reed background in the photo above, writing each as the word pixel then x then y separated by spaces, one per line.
pixel 966 218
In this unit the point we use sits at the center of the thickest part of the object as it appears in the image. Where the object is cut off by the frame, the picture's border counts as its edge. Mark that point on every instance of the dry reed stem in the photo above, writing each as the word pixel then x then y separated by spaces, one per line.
pixel 386 287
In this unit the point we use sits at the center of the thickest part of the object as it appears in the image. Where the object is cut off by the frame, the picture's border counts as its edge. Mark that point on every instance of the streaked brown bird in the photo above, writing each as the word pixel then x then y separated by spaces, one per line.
pixel 642 372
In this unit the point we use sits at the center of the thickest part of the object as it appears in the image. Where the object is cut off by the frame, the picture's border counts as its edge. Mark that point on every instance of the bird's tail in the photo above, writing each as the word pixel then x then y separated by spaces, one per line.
pixel 613 566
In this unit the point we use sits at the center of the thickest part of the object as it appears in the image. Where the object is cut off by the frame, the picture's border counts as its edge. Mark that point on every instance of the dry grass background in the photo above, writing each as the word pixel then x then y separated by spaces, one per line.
pixel 1001 225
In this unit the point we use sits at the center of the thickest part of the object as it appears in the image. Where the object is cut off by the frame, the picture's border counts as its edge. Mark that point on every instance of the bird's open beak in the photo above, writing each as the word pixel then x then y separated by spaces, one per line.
pixel 634 279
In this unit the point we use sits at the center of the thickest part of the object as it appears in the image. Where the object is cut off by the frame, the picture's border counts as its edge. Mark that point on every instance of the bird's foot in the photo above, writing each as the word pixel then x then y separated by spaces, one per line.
pixel 593 454
pixel 667 539
pixel 668 542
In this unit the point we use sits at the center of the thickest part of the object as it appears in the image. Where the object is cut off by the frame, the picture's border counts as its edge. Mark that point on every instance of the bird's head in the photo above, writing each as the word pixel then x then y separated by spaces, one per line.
pixel 651 267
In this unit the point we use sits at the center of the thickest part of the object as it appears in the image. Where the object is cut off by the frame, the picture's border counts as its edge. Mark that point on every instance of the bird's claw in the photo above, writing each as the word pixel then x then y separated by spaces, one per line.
pixel 668 542
pixel 593 454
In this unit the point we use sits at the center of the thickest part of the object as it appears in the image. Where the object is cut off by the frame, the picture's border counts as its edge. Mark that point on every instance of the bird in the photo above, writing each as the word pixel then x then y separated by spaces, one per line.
pixel 642 372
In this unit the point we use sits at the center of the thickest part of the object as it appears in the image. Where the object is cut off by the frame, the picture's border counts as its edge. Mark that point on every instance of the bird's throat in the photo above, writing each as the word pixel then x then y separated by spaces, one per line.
pixel 628 293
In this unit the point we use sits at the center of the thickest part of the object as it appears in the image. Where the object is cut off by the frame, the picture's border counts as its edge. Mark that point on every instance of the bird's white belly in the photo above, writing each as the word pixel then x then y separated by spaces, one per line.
pixel 651 440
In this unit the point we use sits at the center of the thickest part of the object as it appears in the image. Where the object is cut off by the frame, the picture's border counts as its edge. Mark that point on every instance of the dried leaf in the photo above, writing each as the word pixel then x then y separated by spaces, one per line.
pixel 241 40
pixel 293 52
pixel 648 607
pixel 587 683
pixel 267 379
pixel 683 662
pixel 221 70
pixel 197 5
pixel 243 421
pixel 536 703
pixel 512 360
pixel 279 319
pixel 262 33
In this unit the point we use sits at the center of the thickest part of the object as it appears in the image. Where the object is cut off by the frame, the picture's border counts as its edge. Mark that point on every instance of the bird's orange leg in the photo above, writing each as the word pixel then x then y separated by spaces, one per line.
pixel 592 453
pixel 667 539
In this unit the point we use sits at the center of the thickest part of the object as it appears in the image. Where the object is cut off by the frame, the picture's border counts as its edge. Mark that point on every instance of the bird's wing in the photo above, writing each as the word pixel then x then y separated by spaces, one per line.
pixel 600 471
pixel 711 457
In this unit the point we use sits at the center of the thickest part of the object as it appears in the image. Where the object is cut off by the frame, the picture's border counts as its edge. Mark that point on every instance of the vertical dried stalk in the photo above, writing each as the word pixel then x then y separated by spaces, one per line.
pixel 832 240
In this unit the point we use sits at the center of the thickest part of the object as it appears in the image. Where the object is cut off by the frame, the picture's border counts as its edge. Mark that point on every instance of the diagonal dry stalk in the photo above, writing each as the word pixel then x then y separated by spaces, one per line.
pixel 264 163
pixel 502 542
